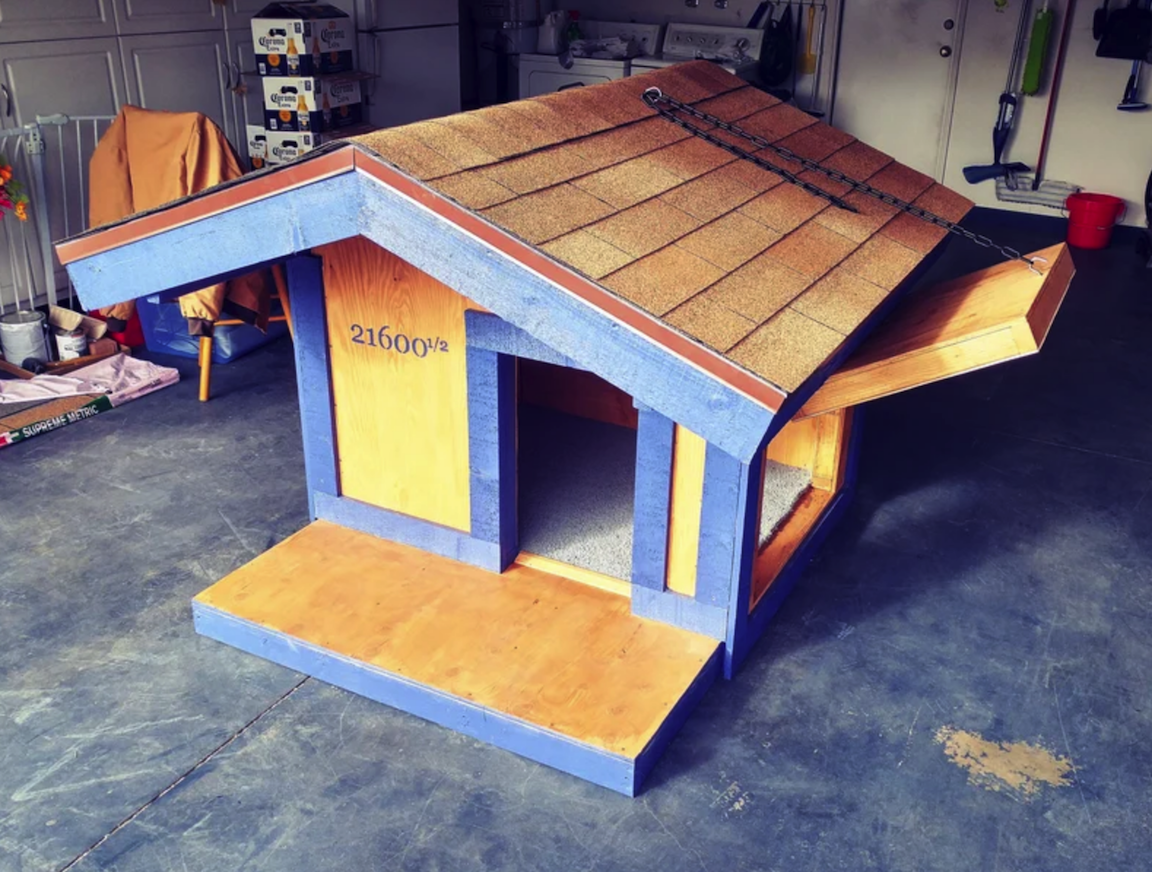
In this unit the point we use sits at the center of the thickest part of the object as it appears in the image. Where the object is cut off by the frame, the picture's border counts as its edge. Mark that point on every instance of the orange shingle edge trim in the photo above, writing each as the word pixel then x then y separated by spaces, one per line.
pixel 246 190
pixel 735 377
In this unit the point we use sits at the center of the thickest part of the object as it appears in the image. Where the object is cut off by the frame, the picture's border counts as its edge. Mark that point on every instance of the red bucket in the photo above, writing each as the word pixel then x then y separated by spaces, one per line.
pixel 1091 218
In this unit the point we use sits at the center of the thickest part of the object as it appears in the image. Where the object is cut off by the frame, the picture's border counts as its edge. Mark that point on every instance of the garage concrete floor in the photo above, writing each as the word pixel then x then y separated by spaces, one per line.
pixel 993 577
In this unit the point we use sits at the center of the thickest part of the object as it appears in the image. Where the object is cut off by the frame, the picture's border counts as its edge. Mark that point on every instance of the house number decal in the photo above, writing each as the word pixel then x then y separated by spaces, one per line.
pixel 400 343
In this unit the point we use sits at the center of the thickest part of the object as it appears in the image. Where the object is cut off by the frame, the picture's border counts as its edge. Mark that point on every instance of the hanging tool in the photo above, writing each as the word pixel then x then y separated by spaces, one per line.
pixel 1037 50
pixel 1100 21
pixel 807 63
pixel 776 50
pixel 1131 101
pixel 1127 33
pixel 1035 189
pixel 758 15
pixel 1005 117
pixel 1053 92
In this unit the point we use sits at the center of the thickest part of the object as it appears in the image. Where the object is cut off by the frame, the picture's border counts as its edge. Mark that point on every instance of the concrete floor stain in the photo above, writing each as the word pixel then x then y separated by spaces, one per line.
pixel 1018 767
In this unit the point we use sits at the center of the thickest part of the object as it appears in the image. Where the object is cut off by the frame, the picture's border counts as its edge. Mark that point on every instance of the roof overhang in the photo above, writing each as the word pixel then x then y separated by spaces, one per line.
pixel 347 192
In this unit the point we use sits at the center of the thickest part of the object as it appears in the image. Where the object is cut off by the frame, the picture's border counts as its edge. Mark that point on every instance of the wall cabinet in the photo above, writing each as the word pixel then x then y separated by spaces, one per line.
pixel 181 72
pixel 76 77
pixel 37 20
pixel 168 16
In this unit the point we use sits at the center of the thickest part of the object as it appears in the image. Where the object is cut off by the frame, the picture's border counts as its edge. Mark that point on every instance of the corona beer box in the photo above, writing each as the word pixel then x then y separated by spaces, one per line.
pixel 577 391
pixel 302 39
pixel 257 145
pixel 312 104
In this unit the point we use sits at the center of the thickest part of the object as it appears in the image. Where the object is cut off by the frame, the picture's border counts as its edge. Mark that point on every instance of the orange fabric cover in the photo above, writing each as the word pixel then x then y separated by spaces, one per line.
pixel 147 159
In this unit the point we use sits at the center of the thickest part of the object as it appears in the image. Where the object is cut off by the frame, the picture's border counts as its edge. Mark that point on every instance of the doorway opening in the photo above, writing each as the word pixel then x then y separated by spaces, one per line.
pixel 576 473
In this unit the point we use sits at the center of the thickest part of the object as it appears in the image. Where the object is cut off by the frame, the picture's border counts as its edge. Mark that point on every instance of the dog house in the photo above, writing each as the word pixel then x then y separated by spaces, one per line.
pixel 577 387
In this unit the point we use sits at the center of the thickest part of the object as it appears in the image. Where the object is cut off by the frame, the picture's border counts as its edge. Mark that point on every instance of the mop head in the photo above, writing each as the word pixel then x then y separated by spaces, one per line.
pixel 1018 189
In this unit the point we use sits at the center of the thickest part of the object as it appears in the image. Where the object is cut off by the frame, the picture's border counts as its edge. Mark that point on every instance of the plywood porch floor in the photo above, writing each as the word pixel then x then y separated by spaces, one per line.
pixel 527 645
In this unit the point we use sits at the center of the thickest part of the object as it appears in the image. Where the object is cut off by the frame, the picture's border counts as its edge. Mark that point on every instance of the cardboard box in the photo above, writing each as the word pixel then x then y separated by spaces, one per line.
pixel 275 147
pixel 302 39
pixel 311 104
pixel 257 146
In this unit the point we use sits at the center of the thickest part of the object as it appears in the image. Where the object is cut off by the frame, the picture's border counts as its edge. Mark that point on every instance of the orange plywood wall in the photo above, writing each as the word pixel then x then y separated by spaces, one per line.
pixel 399 384
pixel 684 521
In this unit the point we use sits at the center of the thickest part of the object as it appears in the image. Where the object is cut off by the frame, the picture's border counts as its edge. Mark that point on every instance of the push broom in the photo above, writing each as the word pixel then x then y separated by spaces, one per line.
pixel 1033 188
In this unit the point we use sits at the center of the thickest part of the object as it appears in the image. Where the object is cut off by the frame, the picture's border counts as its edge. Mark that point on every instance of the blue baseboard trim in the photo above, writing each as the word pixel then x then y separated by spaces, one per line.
pixel 407 530
pixel 496 728
pixel 680 611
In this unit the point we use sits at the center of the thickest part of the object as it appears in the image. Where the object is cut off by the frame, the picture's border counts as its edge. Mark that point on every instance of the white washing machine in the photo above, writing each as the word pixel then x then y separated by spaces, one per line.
pixel 543 74
pixel 736 49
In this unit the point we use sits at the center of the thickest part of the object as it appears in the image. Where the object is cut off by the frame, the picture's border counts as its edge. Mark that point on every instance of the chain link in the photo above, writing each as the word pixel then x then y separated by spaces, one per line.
pixel 668 107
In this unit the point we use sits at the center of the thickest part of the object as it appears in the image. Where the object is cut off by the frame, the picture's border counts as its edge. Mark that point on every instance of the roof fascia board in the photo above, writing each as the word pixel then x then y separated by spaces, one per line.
pixel 230 242
pixel 555 316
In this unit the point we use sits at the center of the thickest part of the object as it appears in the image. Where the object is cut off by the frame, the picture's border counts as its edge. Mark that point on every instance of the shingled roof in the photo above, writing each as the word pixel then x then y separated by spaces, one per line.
pixel 757 269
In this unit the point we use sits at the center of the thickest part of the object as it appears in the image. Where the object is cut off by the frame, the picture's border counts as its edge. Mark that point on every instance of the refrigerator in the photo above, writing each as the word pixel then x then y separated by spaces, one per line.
pixel 413 48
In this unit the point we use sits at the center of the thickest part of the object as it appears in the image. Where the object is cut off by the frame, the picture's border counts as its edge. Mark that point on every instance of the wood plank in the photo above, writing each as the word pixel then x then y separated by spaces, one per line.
pixel 787 540
pixel 401 401
pixel 981 319
pixel 545 650
pixel 575 392
pixel 688 453
pixel 574 573
pixel 822 443
pixel 817 444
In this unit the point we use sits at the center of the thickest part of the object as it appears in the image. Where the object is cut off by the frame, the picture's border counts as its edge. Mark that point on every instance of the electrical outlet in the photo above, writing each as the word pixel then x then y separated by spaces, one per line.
pixel 721 4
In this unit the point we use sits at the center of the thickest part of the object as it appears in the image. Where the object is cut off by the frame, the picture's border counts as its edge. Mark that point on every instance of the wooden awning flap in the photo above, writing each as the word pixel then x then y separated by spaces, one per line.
pixel 978 320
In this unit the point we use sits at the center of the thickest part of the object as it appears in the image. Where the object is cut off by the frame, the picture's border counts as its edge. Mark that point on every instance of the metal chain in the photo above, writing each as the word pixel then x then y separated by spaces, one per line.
pixel 669 106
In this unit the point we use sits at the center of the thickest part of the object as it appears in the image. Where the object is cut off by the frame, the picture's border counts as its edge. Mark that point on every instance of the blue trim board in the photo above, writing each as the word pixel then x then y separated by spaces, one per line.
pixel 728 517
pixel 493 333
pixel 681 611
pixel 655 435
pixel 310 343
pixel 563 322
pixel 492 450
pixel 684 707
pixel 225 244
pixel 496 728
pixel 749 628
pixel 407 530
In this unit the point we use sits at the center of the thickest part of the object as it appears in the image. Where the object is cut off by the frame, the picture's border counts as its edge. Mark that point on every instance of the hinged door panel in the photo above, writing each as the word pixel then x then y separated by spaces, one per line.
pixel 981 319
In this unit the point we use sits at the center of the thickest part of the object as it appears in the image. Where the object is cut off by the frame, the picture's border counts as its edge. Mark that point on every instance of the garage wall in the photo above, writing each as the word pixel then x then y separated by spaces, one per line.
pixel 1093 145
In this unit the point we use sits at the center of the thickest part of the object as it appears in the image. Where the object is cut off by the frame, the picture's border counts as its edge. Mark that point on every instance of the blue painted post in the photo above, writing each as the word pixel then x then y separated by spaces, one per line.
pixel 654 438
pixel 728 533
pixel 492 450
pixel 310 338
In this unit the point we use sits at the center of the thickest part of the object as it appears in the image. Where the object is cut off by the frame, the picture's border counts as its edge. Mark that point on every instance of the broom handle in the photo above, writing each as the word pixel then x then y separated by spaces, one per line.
pixel 1057 73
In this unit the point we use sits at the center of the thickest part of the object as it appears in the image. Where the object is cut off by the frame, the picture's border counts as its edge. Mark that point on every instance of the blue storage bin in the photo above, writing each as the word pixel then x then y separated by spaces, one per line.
pixel 166 332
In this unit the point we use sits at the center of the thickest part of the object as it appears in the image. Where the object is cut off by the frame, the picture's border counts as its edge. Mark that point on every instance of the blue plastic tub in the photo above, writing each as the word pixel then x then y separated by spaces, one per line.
pixel 166 332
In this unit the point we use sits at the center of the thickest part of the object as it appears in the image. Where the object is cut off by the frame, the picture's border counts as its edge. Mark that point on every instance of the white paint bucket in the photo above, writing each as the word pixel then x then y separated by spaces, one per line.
pixel 22 336
pixel 71 344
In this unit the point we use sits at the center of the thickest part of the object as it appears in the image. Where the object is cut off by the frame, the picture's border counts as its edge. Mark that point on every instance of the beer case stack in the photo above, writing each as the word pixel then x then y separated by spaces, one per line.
pixel 311 89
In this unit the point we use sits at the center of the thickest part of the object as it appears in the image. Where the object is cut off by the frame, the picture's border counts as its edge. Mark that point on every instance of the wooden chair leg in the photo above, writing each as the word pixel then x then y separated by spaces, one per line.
pixel 287 314
pixel 205 368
